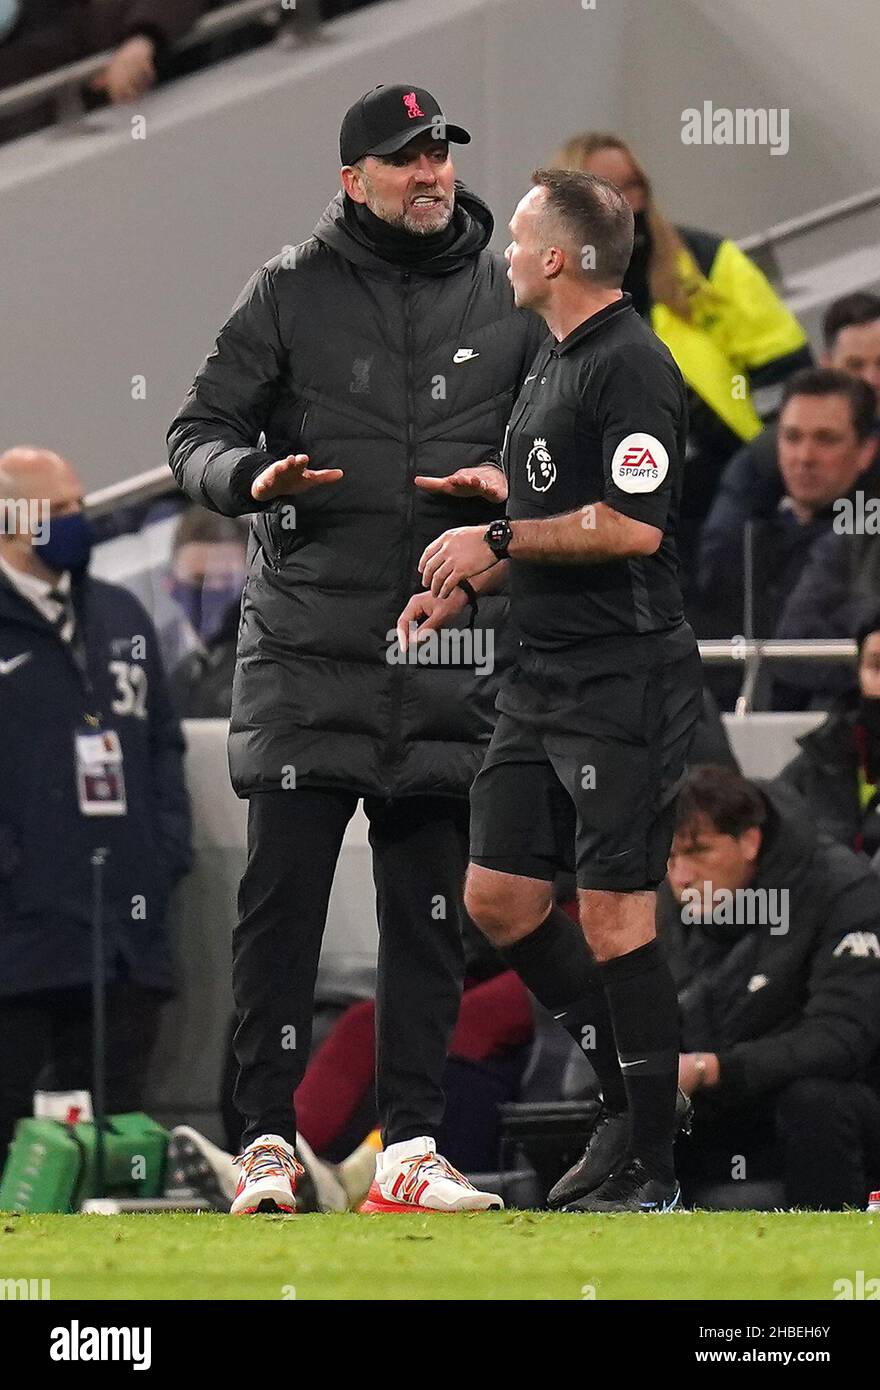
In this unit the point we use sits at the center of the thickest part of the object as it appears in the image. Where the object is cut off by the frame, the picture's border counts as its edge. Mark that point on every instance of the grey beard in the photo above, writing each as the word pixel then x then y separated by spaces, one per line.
pixel 403 222
pixel 415 228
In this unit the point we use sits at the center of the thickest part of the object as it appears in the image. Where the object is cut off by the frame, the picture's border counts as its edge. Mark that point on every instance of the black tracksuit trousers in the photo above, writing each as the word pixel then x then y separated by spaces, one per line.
pixel 420 854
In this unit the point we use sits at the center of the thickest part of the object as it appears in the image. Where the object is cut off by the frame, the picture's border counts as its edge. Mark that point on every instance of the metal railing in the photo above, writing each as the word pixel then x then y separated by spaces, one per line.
pixel 762 246
pixel 63 85
pixel 130 491
pixel 751 653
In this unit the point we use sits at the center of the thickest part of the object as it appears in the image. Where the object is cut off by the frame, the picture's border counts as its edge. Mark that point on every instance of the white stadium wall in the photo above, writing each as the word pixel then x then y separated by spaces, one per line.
pixel 816 60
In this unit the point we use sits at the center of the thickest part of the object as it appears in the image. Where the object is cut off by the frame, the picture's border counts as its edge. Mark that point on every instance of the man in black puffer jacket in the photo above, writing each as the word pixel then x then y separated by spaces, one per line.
pixel 387 349
pixel 771 932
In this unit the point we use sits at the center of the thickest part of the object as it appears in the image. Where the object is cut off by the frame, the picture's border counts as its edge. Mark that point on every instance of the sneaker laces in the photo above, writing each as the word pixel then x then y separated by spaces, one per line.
pixel 418 1171
pixel 264 1160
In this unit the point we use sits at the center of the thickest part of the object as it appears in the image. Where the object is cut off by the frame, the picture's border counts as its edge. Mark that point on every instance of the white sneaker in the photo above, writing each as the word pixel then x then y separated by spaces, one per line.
pixel 413 1177
pixel 267 1180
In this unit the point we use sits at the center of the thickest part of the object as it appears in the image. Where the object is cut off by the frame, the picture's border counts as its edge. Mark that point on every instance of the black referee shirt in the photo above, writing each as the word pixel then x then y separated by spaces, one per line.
pixel 602 417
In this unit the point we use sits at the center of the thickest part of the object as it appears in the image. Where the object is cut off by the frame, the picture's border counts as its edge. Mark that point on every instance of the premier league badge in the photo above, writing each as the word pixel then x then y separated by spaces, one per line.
pixel 540 468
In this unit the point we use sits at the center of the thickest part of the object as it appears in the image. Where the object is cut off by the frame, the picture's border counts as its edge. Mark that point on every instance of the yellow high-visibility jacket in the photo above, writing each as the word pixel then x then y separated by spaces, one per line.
pixel 740 335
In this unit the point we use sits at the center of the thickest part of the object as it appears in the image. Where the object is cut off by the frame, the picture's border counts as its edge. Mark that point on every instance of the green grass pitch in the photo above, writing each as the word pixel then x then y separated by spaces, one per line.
pixel 491 1255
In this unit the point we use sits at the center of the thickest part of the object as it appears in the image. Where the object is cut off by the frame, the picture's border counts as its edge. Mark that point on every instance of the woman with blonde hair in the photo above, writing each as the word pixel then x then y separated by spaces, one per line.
pixel 727 329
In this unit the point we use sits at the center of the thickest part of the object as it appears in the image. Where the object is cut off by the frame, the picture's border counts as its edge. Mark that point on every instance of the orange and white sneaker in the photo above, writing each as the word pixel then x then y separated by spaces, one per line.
pixel 267 1180
pixel 412 1176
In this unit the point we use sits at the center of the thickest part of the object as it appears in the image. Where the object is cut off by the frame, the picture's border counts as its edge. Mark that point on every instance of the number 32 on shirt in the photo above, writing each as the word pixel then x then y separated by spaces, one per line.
pixel 132 684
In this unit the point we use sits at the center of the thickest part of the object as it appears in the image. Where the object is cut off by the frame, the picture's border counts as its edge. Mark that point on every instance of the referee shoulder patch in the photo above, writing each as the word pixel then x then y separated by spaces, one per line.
pixel 640 463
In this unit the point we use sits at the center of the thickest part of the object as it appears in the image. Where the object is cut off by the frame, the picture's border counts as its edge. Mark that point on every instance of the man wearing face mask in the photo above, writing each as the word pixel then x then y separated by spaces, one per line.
pixel 208 566
pixel 92 756
pixel 838 770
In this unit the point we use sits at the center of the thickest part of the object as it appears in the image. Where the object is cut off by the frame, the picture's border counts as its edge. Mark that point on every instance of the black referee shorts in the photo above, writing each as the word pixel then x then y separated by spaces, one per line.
pixel 586 762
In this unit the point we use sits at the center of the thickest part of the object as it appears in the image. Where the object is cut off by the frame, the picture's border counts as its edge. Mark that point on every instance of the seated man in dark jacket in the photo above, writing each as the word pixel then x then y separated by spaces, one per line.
pixel 825 444
pixel 751 485
pixel 838 588
pixel 772 933
pixel 838 770
pixel 92 757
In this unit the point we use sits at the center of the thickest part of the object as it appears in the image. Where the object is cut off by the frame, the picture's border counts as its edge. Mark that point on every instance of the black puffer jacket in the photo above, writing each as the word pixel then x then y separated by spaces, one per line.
pixel 335 352
pixel 778 1004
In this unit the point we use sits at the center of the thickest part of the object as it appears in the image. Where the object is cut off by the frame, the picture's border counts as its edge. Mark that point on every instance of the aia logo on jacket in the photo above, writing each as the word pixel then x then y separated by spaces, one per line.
pixel 411 102
pixel 640 463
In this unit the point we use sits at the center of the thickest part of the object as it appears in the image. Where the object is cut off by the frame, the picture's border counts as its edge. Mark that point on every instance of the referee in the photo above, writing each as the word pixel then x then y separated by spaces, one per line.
pixel 595 719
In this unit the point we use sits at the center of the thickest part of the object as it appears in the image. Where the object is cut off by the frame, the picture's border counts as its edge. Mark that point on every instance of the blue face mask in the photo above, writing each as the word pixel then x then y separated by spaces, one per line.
pixel 207 607
pixel 10 12
pixel 69 546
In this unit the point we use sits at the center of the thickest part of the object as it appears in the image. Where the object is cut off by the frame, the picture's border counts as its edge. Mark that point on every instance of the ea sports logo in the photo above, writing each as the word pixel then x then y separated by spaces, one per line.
pixel 640 463
pixel 638 459
pixel 540 468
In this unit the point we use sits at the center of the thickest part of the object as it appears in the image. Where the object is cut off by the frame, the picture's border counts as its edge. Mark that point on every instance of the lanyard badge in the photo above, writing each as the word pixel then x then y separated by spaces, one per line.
pixel 99 774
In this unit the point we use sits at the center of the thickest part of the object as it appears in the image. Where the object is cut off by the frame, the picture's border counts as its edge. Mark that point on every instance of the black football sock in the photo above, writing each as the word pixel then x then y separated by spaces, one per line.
pixel 555 963
pixel 644 1007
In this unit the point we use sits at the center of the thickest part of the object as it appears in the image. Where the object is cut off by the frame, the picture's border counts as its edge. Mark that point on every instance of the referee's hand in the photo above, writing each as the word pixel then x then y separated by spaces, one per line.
pixel 290 477
pixel 457 554
pixel 485 481
pixel 425 613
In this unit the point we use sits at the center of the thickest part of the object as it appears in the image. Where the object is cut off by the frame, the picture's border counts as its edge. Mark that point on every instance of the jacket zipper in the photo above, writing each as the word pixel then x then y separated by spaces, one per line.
pixel 395 739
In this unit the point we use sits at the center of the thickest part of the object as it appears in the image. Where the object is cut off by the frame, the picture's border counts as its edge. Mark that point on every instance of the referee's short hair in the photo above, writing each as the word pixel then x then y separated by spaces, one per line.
pixel 597 218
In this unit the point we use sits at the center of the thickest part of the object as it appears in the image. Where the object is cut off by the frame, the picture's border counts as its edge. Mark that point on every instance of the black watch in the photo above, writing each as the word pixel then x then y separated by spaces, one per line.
pixel 498 537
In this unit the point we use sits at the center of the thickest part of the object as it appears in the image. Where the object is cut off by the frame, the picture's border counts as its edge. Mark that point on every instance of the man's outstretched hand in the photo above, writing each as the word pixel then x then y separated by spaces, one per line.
pixel 484 481
pixel 290 477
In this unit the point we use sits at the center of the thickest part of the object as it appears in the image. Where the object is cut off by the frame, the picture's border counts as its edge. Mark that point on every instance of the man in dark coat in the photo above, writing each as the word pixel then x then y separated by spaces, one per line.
pixel 826 445
pixel 752 485
pixel 79 663
pixel 772 932
pixel 387 349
